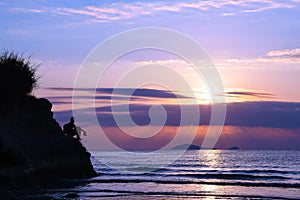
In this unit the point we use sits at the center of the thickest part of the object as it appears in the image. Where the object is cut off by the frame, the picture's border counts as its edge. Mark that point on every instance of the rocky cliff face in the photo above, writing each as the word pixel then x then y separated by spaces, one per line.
pixel 33 146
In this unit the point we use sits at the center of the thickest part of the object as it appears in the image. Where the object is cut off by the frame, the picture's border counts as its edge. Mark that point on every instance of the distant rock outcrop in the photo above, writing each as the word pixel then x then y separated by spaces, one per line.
pixel 32 144
pixel 196 147
pixel 190 147
pixel 187 147
pixel 234 148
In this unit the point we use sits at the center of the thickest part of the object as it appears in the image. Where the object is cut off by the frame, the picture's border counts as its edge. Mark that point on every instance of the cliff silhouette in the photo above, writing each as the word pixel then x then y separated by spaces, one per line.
pixel 32 144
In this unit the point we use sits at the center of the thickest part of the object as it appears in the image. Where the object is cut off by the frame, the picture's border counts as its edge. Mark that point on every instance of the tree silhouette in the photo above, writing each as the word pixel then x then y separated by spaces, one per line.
pixel 17 75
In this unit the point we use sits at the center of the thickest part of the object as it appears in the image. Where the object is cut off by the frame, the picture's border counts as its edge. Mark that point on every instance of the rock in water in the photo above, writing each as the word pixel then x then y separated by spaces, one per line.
pixel 33 146
pixel 72 195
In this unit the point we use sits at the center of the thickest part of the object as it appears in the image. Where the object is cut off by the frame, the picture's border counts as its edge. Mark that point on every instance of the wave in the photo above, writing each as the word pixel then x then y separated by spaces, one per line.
pixel 254 171
pixel 100 193
pixel 206 173
pixel 146 169
pixel 188 165
pixel 268 171
pixel 234 176
pixel 197 168
pixel 235 183
pixel 221 176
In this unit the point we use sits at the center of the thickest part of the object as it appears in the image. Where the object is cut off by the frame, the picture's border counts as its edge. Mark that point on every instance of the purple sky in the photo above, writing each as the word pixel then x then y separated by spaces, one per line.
pixel 255 46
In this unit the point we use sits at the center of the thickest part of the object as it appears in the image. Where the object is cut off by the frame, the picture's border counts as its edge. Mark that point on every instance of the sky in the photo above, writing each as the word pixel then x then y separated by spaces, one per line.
pixel 254 45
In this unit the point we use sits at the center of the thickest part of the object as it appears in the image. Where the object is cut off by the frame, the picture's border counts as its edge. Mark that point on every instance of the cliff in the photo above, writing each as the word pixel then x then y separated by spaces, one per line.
pixel 33 146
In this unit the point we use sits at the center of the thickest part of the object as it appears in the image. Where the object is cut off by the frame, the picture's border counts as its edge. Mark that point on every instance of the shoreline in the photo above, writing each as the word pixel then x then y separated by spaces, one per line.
pixel 136 196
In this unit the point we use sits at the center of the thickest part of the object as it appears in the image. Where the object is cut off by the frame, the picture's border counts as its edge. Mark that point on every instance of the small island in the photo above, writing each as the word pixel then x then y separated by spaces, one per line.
pixel 234 148
pixel 190 147
pixel 187 147
pixel 196 147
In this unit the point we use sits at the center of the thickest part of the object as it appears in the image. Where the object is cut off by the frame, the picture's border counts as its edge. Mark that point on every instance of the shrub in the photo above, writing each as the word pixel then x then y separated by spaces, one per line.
pixel 17 75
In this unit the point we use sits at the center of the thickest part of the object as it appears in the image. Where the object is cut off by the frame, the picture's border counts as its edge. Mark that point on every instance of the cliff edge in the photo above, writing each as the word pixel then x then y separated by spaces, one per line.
pixel 32 144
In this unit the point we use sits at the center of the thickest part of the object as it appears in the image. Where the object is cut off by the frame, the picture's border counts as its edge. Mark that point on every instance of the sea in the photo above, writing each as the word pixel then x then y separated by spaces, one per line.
pixel 194 174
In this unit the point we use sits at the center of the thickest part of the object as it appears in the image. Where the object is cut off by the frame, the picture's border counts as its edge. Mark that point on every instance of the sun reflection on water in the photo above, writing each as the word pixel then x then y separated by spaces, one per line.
pixel 211 158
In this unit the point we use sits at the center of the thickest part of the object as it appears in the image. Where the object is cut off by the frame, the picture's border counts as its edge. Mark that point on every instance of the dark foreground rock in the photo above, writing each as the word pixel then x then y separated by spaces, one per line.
pixel 34 148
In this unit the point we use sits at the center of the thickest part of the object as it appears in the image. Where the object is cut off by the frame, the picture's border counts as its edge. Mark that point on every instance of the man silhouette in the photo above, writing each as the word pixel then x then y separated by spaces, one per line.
pixel 70 129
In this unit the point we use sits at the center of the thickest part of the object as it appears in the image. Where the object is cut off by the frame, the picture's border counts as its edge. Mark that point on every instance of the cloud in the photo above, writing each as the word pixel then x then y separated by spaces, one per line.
pixel 68 99
pixel 264 114
pixel 161 62
pixel 19 9
pixel 101 14
pixel 248 114
pixel 141 92
pixel 256 94
pixel 147 94
pixel 285 53
pixel 255 138
pixel 122 10
pixel 240 93
pixel 244 114
pixel 59 102
pixel 228 14
pixel 269 5
pixel 282 57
